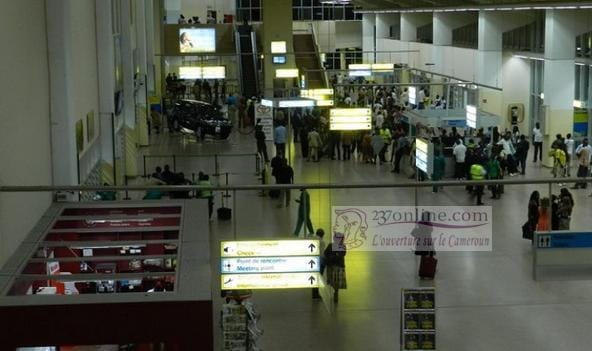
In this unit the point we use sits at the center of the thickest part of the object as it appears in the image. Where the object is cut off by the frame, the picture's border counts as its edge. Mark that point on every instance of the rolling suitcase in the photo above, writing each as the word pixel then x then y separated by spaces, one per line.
pixel 224 213
pixel 427 267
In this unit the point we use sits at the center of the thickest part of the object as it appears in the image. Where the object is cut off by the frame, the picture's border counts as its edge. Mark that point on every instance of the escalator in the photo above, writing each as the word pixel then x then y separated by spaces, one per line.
pixel 307 60
pixel 246 46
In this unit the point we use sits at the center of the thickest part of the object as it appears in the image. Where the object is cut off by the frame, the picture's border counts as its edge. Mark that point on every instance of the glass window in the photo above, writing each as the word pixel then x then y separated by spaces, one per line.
pixel 245 3
pixel 338 13
pixel 317 13
pixel 306 3
pixel 256 15
pixel 306 14
pixel 349 13
pixel 255 3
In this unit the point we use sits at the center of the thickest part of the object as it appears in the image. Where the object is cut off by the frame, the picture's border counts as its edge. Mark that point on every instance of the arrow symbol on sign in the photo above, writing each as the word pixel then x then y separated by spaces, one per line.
pixel 226 249
pixel 228 281
pixel 311 279
pixel 311 263
pixel 311 247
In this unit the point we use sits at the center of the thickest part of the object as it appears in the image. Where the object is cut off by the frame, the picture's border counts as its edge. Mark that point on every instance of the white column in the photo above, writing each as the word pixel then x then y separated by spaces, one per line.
pixel 368 37
pixel 150 27
pixel 63 141
pixel 443 26
pixel 384 22
pixel 106 69
pixel 561 28
pixel 128 66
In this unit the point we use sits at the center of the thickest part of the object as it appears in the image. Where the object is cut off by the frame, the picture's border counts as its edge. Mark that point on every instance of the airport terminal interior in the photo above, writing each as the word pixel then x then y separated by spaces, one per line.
pixel 141 140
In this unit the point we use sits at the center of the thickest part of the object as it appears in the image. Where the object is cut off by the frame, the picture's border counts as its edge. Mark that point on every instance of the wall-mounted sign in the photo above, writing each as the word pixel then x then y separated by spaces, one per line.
pixel 270 248
pixel 278 47
pixel 350 119
pixel 197 40
pixel 471 116
pixel 286 73
pixel 290 264
pixel 296 103
pixel 269 281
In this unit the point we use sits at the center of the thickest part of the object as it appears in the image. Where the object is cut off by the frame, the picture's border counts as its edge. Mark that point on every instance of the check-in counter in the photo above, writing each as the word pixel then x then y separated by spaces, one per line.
pixel 562 255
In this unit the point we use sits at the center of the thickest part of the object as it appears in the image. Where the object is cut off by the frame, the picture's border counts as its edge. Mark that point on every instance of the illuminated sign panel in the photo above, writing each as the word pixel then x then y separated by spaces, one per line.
pixel 323 97
pixel 269 281
pixel 424 156
pixel 471 116
pixel 290 264
pixel 286 73
pixel 296 103
pixel 269 264
pixel 350 119
pixel 278 47
pixel 209 72
pixel 271 248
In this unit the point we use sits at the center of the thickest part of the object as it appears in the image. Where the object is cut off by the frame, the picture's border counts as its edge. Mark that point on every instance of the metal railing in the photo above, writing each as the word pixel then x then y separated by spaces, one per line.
pixel 231 190
pixel 215 158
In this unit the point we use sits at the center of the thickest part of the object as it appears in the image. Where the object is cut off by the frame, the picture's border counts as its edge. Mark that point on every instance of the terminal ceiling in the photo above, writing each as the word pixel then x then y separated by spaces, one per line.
pixel 401 4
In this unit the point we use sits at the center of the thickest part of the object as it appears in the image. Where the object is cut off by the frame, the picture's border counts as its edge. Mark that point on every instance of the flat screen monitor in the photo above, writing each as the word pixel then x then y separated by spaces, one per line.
pixel 197 40
pixel 279 60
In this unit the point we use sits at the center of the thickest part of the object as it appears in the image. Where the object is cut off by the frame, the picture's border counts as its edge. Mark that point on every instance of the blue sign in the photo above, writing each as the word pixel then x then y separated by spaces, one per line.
pixel 564 240
pixel 456 123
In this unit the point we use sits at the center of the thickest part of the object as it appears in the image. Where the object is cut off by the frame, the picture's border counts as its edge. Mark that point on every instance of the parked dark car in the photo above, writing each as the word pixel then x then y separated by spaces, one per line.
pixel 201 117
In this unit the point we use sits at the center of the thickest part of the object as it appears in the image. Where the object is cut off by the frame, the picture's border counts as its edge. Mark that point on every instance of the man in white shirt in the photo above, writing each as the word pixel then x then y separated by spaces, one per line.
pixel 459 152
pixel 584 153
pixel 509 151
pixel 537 141
pixel 569 145
pixel 420 99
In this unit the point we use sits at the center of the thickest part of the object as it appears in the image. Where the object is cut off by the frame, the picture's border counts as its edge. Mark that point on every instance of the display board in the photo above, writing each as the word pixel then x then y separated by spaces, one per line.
pixel 207 72
pixel 197 40
pixel 424 156
pixel 418 319
pixel 323 97
pixel 350 119
pixel 270 264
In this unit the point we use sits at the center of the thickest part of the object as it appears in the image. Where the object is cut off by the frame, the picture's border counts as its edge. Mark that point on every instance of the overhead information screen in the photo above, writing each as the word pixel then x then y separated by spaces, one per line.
pixel 197 40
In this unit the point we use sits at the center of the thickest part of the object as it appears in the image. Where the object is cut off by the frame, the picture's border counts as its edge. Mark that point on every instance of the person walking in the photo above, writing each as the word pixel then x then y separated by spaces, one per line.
pixel 377 143
pixel 280 134
pixel 494 172
pixel 385 133
pixel 565 206
pixel 559 162
pixel 335 264
pixel 459 152
pixel 544 214
pixel 314 144
pixel 204 180
pixel 346 144
pixel 304 214
pixel 522 153
pixel 537 141
pixel 304 149
pixel 583 153
pixel 402 147
pixel 260 138
pixel 569 149
pixel 478 173
pixel 534 204
pixel 439 167
pixel 284 174
pixel 509 151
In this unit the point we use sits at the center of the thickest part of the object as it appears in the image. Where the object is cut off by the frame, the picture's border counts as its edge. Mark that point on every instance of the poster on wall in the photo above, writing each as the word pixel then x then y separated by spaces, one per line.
pixel 90 125
pixel 265 113
pixel 79 136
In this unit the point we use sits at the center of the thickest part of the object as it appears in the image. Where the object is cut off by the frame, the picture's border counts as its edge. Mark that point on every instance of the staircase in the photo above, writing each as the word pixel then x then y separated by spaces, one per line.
pixel 248 68
pixel 307 59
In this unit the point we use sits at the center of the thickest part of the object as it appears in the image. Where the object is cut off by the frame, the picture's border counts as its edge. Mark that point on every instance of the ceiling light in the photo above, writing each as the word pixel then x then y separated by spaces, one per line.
pixel 566 7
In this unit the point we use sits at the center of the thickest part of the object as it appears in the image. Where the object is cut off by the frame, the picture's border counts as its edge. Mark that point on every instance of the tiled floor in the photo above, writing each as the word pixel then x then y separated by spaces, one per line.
pixel 487 301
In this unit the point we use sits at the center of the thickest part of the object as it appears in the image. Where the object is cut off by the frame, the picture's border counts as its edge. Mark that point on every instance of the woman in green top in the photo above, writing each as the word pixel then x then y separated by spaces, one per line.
pixel 439 166
pixel 494 171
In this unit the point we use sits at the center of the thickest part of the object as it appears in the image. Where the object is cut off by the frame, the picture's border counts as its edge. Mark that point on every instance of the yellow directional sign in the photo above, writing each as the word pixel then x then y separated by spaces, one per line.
pixel 266 248
pixel 269 281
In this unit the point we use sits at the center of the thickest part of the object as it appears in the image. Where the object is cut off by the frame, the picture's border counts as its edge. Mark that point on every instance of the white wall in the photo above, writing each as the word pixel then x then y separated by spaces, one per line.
pixel 348 34
pixel 24 119
pixel 333 35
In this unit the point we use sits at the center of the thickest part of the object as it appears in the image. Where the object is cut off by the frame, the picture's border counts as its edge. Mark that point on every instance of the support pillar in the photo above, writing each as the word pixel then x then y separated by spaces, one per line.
pixel 409 24
pixel 384 22
pixel 369 37
pixel 561 29
pixel 106 67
